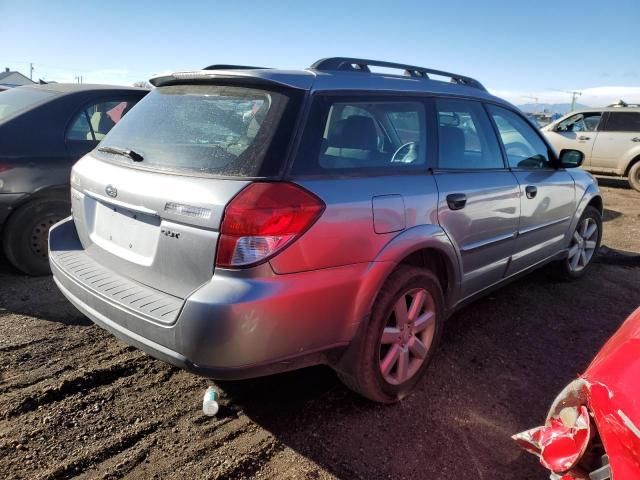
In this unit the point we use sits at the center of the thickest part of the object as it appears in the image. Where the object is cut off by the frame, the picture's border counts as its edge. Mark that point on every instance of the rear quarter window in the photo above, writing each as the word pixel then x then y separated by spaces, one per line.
pixel 623 122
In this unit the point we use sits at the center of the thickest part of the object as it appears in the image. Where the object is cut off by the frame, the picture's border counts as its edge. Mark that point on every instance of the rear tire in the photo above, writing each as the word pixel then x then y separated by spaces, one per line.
pixel 634 176
pixel 584 246
pixel 392 354
pixel 25 238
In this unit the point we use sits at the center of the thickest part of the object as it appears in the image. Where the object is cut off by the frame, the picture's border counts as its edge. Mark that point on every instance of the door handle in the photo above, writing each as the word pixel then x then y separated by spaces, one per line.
pixel 456 201
pixel 582 137
pixel 635 139
pixel 531 191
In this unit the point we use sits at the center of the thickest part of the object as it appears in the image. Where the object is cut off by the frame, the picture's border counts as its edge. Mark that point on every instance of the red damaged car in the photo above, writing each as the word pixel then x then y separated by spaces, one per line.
pixel 592 431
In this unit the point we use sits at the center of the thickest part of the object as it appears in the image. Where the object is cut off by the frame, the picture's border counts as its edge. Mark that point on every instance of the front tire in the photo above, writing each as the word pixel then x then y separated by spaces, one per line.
pixel 584 246
pixel 26 234
pixel 634 176
pixel 403 330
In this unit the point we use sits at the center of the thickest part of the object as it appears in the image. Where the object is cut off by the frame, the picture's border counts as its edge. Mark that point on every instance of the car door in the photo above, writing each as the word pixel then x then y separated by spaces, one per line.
pixel 577 132
pixel 616 143
pixel 547 194
pixel 478 197
pixel 93 122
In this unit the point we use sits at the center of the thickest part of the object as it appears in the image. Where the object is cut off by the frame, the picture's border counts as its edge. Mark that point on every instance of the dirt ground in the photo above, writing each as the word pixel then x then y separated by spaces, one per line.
pixel 76 402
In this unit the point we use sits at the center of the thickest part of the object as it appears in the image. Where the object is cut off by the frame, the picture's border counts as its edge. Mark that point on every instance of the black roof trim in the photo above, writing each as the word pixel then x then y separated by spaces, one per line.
pixel 362 65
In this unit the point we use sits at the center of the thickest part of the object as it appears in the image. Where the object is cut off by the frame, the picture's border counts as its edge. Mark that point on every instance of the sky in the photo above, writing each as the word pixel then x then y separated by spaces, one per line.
pixel 516 49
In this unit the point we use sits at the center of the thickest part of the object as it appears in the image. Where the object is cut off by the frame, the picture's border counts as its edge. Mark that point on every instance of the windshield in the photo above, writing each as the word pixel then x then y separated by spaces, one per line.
pixel 209 129
pixel 21 98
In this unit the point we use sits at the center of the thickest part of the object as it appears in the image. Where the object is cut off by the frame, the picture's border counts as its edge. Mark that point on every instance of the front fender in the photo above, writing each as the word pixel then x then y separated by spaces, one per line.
pixel 588 194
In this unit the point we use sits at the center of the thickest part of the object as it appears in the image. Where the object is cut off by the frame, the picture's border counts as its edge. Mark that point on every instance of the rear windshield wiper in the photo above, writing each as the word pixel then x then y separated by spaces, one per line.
pixel 125 152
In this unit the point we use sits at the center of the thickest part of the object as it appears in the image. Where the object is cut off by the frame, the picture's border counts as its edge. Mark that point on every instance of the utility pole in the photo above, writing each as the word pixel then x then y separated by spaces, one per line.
pixel 31 71
pixel 535 99
pixel 574 95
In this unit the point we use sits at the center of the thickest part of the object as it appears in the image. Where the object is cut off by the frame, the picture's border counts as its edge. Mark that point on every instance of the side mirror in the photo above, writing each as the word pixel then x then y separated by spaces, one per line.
pixel 571 158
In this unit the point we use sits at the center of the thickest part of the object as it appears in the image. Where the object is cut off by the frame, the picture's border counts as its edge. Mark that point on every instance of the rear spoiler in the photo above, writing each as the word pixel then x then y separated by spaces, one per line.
pixel 257 76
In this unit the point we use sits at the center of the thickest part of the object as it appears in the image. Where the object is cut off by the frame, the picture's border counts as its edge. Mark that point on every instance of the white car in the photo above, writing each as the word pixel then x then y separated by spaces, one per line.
pixel 608 137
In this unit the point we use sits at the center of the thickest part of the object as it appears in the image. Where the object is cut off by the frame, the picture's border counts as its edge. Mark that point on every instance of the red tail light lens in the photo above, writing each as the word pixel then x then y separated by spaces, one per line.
pixel 262 219
pixel 4 167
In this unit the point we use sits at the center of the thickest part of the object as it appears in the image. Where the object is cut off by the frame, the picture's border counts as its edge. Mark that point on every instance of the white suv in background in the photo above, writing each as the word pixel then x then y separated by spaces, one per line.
pixel 608 137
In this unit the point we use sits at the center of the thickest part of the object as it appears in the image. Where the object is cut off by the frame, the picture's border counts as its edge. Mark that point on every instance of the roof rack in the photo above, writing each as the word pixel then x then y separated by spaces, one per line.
pixel 232 67
pixel 362 65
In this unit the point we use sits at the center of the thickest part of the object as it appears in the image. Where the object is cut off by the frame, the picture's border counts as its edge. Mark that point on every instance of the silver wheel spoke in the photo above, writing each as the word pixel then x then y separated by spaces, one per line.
pixel 574 262
pixel 590 231
pixel 418 348
pixel 585 226
pixel 573 251
pixel 583 257
pixel 590 245
pixel 423 321
pixel 403 365
pixel 390 335
pixel 400 309
pixel 416 305
pixel 390 360
pixel 577 237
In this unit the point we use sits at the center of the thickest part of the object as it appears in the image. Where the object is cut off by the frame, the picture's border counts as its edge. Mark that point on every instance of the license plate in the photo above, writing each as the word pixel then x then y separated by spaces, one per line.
pixel 125 232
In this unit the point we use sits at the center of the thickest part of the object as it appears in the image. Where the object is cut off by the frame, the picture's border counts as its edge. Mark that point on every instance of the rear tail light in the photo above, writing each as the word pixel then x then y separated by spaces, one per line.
pixel 262 219
pixel 4 167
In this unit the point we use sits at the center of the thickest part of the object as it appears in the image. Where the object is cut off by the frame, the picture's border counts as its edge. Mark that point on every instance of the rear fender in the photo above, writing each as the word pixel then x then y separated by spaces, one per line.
pixel 399 248
pixel 628 160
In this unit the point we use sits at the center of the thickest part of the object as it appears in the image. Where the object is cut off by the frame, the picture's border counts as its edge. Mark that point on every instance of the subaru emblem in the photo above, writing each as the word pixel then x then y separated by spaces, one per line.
pixel 111 191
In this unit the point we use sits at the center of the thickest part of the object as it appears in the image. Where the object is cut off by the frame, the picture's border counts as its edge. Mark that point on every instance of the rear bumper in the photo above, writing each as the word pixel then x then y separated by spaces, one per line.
pixel 231 327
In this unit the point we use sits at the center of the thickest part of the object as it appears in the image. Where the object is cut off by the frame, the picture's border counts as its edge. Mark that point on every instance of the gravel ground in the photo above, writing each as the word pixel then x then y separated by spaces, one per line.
pixel 77 403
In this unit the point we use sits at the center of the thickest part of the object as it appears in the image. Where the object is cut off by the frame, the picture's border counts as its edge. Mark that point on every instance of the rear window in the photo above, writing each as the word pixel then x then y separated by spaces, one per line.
pixel 18 99
pixel 208 129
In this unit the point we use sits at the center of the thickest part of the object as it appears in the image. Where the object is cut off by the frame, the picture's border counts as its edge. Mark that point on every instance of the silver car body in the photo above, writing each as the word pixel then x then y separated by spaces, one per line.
pixel 155 285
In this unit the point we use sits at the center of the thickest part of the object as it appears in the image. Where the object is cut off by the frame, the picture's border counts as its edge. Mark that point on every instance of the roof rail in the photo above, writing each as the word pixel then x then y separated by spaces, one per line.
pixel 232 67
pixel 362 65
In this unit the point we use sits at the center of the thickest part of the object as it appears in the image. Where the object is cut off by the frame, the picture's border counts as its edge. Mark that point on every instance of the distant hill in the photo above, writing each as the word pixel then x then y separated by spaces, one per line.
pixel 561 108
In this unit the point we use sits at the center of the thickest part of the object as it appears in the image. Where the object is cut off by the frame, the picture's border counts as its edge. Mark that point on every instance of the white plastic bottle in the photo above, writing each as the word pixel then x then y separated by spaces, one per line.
pixel 210 402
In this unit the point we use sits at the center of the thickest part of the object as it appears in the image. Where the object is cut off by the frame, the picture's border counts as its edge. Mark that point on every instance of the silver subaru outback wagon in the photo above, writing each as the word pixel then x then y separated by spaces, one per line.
pixel 243 221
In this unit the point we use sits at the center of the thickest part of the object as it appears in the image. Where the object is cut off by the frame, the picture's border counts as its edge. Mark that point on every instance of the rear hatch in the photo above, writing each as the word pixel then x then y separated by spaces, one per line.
pixel 148 203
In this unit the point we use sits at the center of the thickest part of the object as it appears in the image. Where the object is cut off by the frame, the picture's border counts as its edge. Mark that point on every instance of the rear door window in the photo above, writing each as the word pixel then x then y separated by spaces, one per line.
pixel 465 137
pixel 362 136
pixel 207 129
pixel 97 119
pixel 623 122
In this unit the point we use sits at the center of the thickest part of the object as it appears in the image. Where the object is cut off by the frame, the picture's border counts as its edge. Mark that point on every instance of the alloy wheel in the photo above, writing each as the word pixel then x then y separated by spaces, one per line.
pixel 583 245
pixel 407 336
